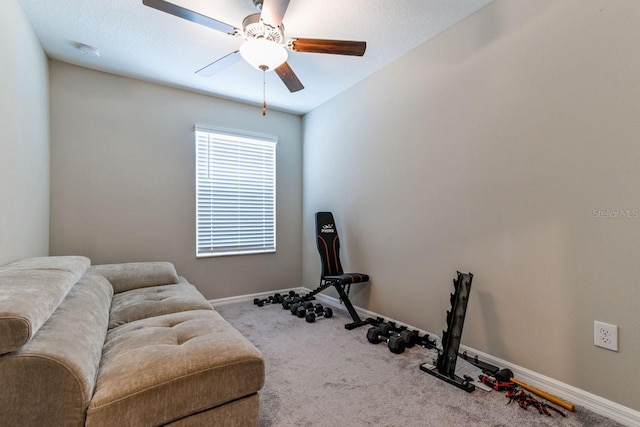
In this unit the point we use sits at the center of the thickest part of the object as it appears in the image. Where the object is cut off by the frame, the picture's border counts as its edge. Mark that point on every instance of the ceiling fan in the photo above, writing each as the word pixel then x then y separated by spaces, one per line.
pixel 264 47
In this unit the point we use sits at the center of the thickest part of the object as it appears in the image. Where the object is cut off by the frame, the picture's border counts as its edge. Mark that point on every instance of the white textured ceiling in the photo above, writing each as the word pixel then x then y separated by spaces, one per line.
pixel 137 41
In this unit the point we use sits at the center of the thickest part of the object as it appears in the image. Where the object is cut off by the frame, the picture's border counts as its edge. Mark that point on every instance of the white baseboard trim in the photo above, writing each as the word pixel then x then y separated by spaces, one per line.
pixel 251 297
pixel 592 402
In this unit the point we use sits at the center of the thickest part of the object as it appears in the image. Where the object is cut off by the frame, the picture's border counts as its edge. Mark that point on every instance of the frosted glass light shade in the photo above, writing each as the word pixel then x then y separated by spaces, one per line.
pixel 263 53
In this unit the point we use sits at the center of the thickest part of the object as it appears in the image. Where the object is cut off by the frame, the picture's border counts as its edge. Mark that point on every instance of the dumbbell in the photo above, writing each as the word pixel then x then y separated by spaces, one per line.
pixel 425 340
pixel 291 299
pixel 288 302
pixel 302 308
pixel 311 315
pixel 272 299
pixel 300 304
pixel 410 337
pixel 396 341
pixel 294 298
pixel 383 333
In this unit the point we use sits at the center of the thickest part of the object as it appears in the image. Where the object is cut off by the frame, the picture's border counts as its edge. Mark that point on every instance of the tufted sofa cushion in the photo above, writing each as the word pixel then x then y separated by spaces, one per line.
pixel 133 275
pixel 30 291
pixel 142 303
pixel 178 364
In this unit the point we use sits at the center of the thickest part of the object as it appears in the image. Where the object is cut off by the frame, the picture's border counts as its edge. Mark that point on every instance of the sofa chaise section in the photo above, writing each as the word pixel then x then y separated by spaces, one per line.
pixel 50 379
pixel 142 348
pixel 177 364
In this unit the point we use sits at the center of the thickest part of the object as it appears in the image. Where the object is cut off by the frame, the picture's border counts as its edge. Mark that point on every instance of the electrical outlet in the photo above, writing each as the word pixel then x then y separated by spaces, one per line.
pixel 605 335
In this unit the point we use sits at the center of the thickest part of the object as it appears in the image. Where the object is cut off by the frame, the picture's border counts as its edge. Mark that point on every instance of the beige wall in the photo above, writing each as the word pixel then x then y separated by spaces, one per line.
pixel 487 150
pixel 123 178
pixel 24 139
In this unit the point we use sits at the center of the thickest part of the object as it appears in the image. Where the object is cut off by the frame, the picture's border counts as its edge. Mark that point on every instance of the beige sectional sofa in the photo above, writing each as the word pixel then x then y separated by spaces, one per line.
pixel 118 345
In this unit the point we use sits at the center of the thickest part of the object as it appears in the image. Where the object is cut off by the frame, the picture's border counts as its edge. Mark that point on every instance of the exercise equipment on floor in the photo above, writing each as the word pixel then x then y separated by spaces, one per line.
pixel 446 363
pixel 397 339
pixel 318 311
pixel 300 308
pixel 475 361
pixel 506 375
pixel 496 384
pixel 310 311
pixel 525 400
pixel 394 341
pixel 328 244
pixel 294 298
pixel 297 304
pixel 410 337
pixel 271 299
pixel 425 340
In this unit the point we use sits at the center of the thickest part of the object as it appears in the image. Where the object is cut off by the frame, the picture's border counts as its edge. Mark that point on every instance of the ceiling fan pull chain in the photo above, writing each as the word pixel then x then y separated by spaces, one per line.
pixel 264 90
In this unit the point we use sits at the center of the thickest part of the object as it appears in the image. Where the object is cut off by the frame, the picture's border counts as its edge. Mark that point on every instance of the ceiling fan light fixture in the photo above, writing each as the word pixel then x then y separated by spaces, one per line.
pixel 261 53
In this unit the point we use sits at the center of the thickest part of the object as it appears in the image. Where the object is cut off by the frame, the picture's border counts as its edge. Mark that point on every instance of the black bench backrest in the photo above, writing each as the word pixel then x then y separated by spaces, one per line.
pixel 328 244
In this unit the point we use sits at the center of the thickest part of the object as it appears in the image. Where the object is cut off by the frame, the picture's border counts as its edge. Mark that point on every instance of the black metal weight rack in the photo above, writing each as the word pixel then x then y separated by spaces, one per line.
pixel 446 364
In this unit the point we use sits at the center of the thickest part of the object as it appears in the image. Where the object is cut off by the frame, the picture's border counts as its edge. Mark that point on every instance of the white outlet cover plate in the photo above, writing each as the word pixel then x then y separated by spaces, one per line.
pixel 605 335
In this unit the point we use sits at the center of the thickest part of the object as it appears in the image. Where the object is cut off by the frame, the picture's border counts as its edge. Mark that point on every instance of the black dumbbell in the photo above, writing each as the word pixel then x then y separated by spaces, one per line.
pixel 396 341
pixel 288 302
pixel 272 299
pixel 302 308
pixel 425 340
pixel 291 299
pixel 300 304
pixel 410 337
pixel 306 304
pixel 294 298
pixel 260 302
pixel 311 315
pixel 383 333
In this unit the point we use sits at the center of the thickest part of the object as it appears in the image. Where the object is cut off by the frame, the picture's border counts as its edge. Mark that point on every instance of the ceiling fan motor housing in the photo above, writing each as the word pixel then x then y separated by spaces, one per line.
pixel 254 28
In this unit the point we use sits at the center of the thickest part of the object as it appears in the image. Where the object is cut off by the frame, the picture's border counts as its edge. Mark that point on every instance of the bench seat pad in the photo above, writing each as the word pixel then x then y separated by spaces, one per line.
pixel 348 278
pixel 158 370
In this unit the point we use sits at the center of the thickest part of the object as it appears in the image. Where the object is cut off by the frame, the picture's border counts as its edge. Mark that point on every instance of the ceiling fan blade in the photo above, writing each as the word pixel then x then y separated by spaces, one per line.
pixel 219 64
pixel 190 15
pixel 273 11
pixel 335 47
pixel 288 77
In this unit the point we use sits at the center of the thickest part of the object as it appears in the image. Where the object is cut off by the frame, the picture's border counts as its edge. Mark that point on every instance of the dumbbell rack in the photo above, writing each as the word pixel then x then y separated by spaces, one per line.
pixel 446 364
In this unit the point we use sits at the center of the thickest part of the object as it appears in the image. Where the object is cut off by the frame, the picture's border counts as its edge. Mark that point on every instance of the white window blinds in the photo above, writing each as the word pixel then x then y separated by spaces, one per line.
pixel 235 192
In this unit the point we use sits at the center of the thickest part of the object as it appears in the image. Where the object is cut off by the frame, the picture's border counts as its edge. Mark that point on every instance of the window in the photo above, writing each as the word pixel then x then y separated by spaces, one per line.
pixel 235 193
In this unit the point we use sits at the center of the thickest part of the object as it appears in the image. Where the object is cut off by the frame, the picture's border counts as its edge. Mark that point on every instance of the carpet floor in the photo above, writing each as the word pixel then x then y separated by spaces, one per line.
pixel 320 374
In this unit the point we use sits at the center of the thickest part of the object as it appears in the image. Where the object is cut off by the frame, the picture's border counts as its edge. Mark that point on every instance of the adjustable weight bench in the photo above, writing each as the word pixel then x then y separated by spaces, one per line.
pixel 332 273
